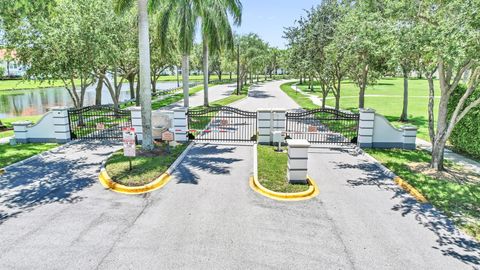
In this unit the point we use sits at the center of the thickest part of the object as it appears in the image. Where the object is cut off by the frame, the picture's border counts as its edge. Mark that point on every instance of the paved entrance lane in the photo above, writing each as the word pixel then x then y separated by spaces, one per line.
pixel 266 95
pixel 207 217
pixel 215 93
pixel 382 226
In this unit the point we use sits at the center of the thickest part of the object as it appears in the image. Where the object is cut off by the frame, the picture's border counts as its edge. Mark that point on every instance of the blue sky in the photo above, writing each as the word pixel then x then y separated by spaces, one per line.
pixel 268 18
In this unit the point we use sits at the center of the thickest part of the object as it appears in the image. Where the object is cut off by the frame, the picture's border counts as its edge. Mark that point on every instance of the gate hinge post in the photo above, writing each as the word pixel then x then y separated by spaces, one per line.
pixel 61 124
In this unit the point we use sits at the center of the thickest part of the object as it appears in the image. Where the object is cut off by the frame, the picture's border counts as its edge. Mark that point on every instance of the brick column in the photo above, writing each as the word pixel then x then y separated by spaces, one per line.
pixel 365 128
pixel 137 122
pixel 61 124
pixel 279 120
pixel 409 137
pixel 180 124
pixel 20 130
pixel 297 161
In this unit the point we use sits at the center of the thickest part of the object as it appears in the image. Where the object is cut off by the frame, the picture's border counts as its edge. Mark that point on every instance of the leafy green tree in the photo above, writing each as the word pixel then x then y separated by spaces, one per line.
pixel 368 39
pixel 452 53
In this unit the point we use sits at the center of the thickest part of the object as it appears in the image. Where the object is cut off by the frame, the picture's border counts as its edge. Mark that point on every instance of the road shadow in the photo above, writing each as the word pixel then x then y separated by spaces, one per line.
pixel 451 242
pixel 207 158
pixel 51 177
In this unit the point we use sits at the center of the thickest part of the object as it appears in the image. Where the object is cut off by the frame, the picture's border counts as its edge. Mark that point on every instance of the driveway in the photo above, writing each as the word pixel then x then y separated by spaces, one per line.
pixel 55 215
pixel 215 93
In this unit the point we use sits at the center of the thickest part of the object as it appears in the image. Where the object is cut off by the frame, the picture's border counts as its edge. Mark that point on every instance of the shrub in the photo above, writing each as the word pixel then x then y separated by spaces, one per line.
pixel 466 135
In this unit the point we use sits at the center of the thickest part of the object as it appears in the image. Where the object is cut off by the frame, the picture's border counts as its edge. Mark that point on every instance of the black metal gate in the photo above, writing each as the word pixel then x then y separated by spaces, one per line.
pixel 222 124
pixel 327 126
pixel 98 122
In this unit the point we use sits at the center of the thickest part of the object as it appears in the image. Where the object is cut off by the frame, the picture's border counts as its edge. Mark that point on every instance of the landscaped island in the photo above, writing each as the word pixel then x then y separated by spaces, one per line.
pixel 147 166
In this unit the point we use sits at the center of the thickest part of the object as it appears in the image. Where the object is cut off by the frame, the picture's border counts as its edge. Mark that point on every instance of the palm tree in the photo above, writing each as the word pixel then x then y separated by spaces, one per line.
pixel 216 30
pixel 144 66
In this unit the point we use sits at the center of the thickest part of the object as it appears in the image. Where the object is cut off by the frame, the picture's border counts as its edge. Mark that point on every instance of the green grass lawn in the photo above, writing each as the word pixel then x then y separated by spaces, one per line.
pixel 8 85
pixel 145 168
pixel 10 154
pixel 458 200
pixel 272 170
pixel 8 122
pixel 388 100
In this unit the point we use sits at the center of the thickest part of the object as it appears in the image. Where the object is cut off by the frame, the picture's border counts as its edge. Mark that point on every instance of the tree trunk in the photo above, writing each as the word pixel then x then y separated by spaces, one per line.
pixel 178 79
pixel 205 73
pixel 404 116
pixel 185 70
pixel 98 91
pixel 363 86
pixel 153 82
pixel 131 83
pixel 437 155
pixel 230 75
pixel 144 73
pixel 137 94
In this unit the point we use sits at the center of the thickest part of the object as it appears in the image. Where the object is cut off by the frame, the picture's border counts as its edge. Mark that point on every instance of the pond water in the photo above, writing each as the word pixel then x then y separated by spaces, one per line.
pixel 38 101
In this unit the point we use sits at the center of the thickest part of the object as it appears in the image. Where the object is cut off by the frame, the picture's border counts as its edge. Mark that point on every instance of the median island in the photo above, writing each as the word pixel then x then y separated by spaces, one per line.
pixel 146 166
pixel 272 170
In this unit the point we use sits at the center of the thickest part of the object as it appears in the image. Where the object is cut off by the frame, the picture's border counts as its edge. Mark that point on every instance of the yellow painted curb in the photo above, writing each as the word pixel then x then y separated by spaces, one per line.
pixel 107 182
pixel 311 192
pixel 407 187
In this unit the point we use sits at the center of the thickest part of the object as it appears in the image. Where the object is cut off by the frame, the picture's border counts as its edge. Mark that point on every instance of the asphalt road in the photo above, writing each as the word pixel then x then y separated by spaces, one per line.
pixel 215 93
pixel 55 215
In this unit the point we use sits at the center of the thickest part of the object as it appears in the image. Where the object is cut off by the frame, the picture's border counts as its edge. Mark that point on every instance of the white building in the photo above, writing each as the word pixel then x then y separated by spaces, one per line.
pixel 10 67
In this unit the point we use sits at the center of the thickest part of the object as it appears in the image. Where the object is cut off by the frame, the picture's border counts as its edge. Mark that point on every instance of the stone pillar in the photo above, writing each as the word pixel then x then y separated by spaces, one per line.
pixel 264 119
pixel 297 161
pixel 409 137
pixel 61 124
pixel 270 120
pixel 365 128
pixel 180 124
pixel 279 120
pixel 20 130
pixel 137 122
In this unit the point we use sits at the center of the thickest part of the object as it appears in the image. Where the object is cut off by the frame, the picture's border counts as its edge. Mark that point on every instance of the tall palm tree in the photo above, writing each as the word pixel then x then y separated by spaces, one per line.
pixel 144 66
pixel 216 30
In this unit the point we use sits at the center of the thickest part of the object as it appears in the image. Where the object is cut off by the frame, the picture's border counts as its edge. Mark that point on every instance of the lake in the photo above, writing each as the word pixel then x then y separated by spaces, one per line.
pixel 38 101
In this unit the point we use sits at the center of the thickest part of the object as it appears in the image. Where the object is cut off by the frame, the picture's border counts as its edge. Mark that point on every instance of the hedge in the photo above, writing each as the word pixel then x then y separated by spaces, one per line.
pixel 466 135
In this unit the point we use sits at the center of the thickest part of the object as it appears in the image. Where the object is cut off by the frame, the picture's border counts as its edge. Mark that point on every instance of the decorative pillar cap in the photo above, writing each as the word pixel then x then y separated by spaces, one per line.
pixel 367 110
pixel 22 123
pixel 298 143
pixel 134 108
pixel 409 127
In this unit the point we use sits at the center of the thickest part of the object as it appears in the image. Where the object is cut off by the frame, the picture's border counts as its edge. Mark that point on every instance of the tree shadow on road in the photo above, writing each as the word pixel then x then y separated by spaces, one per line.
pixel 451 242
pixel 207 158
pixel 51 177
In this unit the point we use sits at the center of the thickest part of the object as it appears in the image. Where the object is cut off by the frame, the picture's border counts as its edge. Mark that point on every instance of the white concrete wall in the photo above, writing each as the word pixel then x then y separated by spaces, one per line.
pixel 375 131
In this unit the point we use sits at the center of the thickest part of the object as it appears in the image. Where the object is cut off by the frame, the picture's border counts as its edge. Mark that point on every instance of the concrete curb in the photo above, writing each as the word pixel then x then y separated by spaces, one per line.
pixel 158 183
pixel 398 180
pixel 311 192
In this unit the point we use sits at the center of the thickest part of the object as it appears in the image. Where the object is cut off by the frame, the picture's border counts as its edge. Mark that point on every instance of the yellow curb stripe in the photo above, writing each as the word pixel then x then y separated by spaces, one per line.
pixel 311 192
pixel 108 183
pixel 410 189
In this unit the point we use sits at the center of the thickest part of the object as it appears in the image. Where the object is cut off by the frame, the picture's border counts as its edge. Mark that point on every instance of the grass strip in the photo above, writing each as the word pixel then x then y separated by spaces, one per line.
pixel 10 154
pixel 459 200
pixel 146 166
pixel 272 170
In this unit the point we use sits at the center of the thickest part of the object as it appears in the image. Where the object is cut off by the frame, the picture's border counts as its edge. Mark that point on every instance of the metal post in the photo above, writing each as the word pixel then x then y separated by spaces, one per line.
pixel 238 68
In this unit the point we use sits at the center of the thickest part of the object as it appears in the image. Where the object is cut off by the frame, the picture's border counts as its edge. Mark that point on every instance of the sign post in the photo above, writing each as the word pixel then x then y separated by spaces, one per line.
pixel 167 136
pixel 129 148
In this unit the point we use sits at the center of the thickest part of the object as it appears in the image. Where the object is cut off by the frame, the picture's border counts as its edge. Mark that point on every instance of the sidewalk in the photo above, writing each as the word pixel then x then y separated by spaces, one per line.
pixel 450 155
